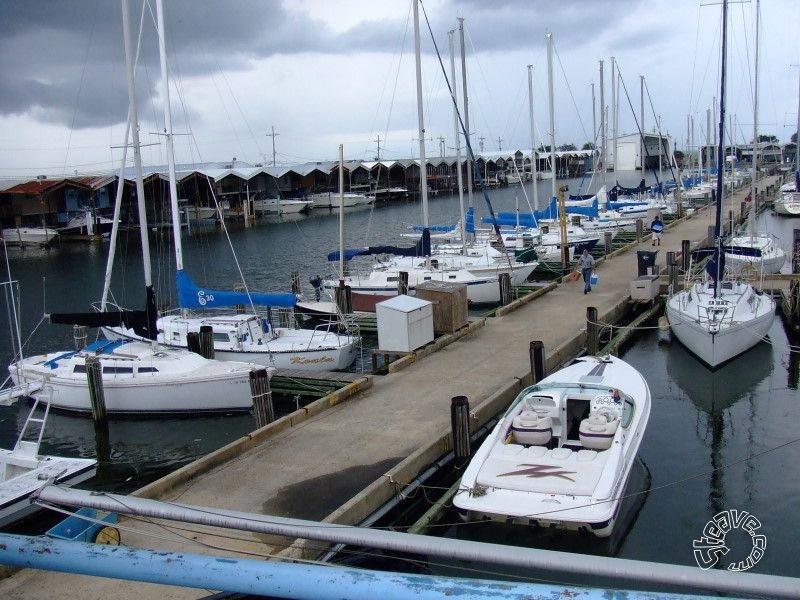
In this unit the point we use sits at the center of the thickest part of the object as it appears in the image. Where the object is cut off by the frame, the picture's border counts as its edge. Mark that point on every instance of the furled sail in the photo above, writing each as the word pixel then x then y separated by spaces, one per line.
pixel 190 295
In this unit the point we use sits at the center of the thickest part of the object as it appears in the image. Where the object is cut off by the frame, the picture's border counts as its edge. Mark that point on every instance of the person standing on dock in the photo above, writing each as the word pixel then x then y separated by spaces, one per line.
pixel 586 266
pixel 657 227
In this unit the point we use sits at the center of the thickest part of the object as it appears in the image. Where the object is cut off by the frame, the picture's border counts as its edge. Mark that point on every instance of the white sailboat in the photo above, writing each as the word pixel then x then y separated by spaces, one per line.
pixel 717 316
pixel 562 453
pixel 771 257
pixel 480 273
pixel 239 336
pixel 139 377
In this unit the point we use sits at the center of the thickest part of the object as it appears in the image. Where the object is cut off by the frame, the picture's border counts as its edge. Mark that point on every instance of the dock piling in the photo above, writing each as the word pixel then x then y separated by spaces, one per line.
pixel 794 285
pixel 672 272
pixel 262 397
pixel 639 230
pixel 94 377
pixel 193 342
pixel 459 422
pixel 607 243
pixel 537 356
pixel 402 283
pixel 79 336
pixel 686 254
pixel 344 299
pixel 207 341
pixel 592 331
pixel 505 288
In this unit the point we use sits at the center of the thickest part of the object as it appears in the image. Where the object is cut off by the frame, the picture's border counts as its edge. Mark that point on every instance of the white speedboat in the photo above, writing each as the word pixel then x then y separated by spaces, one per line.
pixel 335 200
pixel 280 206
pixel 23 470
pixel 561 454
pixel 138 378
pixel 29 236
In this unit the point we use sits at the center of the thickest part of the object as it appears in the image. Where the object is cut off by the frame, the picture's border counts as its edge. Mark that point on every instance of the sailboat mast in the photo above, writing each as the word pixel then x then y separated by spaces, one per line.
pixel 453 91
pixel 173 185
pixel 552 114
pixel 423 165
pixel 751 221
pixel 137 153
pixel 341 215
pixel 721 144
pixel 466 110
pixel 534 166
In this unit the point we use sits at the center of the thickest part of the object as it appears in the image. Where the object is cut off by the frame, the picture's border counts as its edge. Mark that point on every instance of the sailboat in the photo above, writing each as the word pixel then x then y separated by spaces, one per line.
pixel 480 273
pixel 717 316
pixel 771 257
pixel 138 376
pixel 238 336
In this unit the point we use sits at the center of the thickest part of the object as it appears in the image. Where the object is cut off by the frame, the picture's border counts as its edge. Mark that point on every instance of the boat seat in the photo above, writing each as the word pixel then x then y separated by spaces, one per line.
pixel 532 429
pixel 597 431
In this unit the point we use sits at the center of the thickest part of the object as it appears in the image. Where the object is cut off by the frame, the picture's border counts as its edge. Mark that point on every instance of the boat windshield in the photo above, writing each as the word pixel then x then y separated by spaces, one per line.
pixel 550 391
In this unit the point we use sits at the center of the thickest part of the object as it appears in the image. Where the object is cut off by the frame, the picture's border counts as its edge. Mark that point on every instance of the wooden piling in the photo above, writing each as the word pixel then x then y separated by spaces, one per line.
pixel 459 423
pixel 607 242
pixel 94 377
pixel 79 336
pixel 592 331
pixel 344 299
pixel 505 288
pixel 672 272
pixel 402 283
pixel 537 357
pixel 295 275
pixel 262 397
pixel 639 230
pixel 193 342
pixel 207 341
pixel 794 285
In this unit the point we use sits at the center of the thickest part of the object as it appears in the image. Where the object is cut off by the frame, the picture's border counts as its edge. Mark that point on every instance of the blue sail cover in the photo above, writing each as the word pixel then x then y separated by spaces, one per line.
pixel 192 296
pixel 421 248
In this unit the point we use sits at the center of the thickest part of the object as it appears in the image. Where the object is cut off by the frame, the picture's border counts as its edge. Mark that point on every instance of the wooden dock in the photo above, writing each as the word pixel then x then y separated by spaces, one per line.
pixel 343 456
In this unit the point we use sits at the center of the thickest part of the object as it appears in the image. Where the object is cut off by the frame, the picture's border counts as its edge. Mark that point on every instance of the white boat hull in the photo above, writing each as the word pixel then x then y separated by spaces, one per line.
pixel 788 204
pixel 334 200
pixel 29 236
pixel 546 474
pixel 717 338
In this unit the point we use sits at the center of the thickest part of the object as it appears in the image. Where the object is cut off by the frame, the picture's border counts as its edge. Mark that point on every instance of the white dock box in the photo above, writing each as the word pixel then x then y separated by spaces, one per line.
pixel 645 287
pixel 404 323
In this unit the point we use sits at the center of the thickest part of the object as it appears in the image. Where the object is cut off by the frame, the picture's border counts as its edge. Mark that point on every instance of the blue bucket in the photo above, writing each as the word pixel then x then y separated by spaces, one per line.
pixel 594 279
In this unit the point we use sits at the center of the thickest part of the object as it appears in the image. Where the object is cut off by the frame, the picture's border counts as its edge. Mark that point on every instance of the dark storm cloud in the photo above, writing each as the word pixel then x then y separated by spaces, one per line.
pixel 63 61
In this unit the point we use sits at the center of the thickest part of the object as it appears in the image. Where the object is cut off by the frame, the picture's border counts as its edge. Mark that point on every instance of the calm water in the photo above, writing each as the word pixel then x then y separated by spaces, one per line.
pixel 715 441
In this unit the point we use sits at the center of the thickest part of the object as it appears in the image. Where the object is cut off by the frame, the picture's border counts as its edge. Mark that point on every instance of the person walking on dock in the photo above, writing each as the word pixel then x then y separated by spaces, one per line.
pixel 586 266
pixel 657 227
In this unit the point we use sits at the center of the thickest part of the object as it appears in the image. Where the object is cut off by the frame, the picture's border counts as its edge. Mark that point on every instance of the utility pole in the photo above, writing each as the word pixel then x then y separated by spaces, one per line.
pixel 441 146
pixel 499 143
pixel 273 135
pixel 378 156
pixel 480 142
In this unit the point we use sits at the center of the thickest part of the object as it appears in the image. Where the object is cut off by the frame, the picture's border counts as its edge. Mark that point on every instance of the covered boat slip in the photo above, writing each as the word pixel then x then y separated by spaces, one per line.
pixel 341 462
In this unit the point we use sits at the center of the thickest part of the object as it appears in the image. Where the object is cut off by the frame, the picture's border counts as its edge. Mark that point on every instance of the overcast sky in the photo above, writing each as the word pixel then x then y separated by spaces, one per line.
pixel 330 72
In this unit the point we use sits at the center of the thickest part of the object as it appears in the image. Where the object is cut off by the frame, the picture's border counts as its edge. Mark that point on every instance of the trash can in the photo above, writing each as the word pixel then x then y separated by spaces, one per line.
pixel 646 261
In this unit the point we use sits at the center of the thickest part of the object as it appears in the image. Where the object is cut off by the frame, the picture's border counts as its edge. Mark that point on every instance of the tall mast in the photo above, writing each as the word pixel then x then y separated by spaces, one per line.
pixel 453 91
pixel 173 185
pixel 549 37
pixel 721 145
pixel 423 165
pixel 751 221
pixel 466 109
pixel 534 166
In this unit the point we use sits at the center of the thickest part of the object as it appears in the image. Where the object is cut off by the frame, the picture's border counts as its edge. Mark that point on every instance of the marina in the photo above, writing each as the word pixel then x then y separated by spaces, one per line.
pixel 312 449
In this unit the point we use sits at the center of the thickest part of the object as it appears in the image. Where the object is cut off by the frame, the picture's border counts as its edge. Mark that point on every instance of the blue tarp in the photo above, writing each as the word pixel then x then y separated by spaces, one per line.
pixel 192 296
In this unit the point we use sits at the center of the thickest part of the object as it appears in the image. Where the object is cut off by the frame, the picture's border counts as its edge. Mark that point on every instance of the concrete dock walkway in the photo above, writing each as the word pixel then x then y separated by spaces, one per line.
pixel 341 463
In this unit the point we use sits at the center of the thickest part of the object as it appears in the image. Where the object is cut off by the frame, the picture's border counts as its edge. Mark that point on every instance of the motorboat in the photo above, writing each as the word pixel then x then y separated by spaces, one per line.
pixel 562 453
pixel 138 377
pixel 335 200
pixel 24 470
pixel 29 236
pixel 281 206
pixel 87 223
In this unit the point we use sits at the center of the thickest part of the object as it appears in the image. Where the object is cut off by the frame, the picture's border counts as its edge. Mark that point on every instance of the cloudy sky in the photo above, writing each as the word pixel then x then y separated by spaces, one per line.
pixel 330 72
